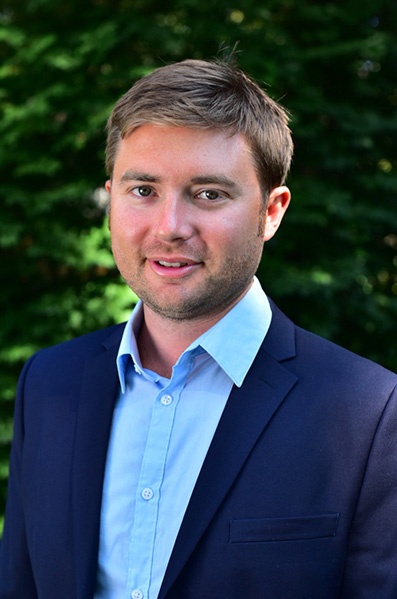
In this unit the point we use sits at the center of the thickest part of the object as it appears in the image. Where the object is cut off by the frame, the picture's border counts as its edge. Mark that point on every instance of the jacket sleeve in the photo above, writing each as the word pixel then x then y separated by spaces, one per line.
pixel 16 578
pixel 371 565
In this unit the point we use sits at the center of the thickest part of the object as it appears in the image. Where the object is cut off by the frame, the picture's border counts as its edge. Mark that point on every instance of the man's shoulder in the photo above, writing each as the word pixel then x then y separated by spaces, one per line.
pixel 78 349
pixel 321 357
pixel 106 336
pixel 337 359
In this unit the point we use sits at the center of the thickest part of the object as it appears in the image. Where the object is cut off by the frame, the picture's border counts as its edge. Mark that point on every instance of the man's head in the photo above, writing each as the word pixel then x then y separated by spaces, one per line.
pixel 197 155
pixel 208 95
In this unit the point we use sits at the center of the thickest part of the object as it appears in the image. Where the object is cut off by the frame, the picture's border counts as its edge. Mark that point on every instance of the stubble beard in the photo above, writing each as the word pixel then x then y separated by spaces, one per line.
pixel 214 295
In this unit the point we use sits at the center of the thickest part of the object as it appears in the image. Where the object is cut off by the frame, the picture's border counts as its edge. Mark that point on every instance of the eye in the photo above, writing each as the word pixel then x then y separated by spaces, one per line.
pixel 142 191
pixel 209 194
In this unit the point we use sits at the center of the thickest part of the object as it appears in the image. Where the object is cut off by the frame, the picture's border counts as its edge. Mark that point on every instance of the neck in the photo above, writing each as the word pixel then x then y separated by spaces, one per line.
pixel 162 341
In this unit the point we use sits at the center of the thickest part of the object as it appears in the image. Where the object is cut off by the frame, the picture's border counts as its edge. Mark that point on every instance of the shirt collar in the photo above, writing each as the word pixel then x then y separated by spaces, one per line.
pixel 232 342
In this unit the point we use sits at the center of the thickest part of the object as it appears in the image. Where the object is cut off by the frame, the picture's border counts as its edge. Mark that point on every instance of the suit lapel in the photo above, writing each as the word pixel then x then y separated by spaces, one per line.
pixel 247 413
pixel 99 389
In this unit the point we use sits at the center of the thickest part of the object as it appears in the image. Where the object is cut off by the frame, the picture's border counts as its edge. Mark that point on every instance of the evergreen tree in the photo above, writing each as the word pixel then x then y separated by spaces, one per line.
pixel 332 267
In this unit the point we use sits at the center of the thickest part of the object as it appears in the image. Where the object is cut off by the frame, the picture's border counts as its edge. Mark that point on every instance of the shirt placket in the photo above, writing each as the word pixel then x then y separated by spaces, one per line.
pixel 142 543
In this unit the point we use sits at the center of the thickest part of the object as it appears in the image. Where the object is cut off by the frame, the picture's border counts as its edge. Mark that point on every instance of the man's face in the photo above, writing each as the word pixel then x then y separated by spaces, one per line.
pixel 186 219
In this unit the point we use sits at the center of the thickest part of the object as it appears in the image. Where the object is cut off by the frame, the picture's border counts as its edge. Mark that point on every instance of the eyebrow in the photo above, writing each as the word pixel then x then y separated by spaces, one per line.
pixel 215 180
pixel 138 176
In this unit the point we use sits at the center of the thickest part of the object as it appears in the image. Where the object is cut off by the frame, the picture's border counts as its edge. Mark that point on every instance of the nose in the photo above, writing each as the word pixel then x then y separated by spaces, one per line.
pixel 172 220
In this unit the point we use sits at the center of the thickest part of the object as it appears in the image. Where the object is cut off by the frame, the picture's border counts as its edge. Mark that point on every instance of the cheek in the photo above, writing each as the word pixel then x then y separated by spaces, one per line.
pixel 123 243
pixel 122 223
pixel 240 229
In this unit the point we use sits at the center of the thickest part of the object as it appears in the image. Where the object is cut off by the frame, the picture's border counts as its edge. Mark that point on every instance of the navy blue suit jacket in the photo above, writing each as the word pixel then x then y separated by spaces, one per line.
pixel 297 497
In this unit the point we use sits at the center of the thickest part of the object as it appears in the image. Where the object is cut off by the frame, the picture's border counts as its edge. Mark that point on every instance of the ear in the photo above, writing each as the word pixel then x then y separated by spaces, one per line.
pixel 277 205
pixel 108 185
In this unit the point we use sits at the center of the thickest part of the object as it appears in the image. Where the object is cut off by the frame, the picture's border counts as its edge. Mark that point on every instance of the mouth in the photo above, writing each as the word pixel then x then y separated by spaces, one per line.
pixel 171 264
pixel 176 268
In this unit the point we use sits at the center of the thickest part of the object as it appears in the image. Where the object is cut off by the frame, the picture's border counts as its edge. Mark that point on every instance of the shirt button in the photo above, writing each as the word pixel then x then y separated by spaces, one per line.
pixel 166 400
pixel 136 594
pixel 147 494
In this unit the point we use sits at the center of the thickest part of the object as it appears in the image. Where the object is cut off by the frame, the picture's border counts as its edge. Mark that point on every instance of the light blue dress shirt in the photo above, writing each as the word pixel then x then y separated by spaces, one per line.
pixel 161 432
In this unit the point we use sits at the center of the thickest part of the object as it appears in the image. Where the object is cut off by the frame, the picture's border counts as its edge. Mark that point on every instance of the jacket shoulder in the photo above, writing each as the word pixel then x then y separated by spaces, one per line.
pixel 339 361
pixel 67 357
pixel 315 357
pixel 88 343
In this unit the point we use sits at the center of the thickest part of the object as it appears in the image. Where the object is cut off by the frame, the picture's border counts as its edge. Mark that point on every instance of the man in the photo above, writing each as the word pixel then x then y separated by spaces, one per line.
pixel 208 448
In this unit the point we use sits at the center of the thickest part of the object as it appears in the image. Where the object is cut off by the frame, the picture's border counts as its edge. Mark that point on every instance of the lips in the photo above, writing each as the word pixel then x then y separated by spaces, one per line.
pixel 174 268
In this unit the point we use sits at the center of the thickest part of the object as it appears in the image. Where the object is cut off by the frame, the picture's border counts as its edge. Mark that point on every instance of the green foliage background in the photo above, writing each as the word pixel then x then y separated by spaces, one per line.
pixel 332 266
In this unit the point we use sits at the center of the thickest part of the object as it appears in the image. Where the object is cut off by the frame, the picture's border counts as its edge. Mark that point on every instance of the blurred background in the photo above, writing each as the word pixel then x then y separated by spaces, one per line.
pixel 332 266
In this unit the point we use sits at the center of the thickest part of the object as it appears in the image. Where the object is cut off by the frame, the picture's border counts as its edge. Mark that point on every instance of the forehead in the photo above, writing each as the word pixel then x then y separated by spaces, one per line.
pixel 174 148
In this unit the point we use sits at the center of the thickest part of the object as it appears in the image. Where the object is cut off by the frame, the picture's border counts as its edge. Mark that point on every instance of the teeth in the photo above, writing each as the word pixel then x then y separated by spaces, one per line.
pixel 172 264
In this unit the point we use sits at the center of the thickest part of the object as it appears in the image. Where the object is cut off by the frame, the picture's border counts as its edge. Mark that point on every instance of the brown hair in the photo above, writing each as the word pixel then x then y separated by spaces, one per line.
pixel 207 95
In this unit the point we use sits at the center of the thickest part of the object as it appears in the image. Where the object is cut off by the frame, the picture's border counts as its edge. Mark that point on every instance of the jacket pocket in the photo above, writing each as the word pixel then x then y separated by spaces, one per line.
pixel 264 530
